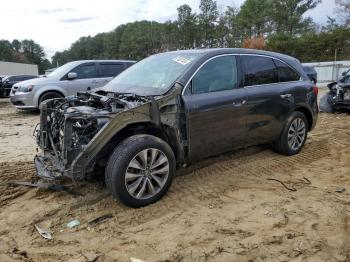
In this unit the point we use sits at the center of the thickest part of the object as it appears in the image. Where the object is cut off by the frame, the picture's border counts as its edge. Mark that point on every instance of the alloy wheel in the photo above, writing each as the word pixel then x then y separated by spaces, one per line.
pixel 296 134
pixel 147 173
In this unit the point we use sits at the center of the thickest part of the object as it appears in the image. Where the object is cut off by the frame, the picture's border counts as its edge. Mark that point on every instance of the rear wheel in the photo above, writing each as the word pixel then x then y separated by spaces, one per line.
pixel 140 170
pixel 293 136
pixel 49 95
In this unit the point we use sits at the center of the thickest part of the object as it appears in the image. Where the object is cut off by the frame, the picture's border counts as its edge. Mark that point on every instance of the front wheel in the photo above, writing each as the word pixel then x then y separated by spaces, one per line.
pixel 140 170
pixel 48 95
pixel 293 136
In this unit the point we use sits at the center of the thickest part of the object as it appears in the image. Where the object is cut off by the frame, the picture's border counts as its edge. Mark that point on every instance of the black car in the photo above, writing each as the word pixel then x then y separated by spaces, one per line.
pixel 311 73
pixel 9 81
pixel 338 97
pixel 173 109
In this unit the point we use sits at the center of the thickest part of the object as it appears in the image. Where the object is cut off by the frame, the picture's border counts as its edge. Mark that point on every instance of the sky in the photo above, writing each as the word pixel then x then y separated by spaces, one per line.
pixel 56 24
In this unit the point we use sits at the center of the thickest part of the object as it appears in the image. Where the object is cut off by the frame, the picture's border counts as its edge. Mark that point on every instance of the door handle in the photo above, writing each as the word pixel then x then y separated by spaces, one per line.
pixel 94 81
pixel 285 96
pixel 238 104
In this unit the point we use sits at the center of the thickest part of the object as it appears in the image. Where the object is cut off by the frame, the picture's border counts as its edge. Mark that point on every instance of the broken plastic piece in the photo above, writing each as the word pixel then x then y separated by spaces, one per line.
pixel 43 232
pixel 340 189
pixel 100 219
pixel 50 186
pixel 73 223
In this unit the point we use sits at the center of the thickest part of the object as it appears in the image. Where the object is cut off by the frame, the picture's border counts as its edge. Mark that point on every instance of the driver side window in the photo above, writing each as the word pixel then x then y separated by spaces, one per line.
pixel 218 74
pixel 86 71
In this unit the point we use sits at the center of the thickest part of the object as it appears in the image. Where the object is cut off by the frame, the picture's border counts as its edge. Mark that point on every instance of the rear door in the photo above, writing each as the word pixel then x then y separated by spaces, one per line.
pixel 270 85
pixel 215 108
pixel 107 71
pixel 87 76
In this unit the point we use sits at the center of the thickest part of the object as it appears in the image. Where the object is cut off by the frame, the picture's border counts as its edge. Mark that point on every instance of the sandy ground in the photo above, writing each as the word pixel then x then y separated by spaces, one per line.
pixel 223 210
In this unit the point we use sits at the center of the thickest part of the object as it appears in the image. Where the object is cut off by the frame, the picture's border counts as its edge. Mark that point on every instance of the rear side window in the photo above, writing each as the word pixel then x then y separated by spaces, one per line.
pixel 218 74
pixel 259 70
pixel 85 71
pixel 110 69
pixel 285 73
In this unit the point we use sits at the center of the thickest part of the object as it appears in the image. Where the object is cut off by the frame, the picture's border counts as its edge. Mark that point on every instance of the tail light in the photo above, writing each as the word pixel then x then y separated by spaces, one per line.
pixel 316 90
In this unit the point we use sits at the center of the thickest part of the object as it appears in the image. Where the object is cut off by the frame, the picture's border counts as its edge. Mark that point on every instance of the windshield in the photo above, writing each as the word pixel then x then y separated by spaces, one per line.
pixel 153 75
pixel 60 71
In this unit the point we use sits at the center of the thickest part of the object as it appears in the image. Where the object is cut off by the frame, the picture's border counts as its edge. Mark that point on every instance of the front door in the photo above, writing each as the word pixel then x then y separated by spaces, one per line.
pixel 87 79
pixel 215 109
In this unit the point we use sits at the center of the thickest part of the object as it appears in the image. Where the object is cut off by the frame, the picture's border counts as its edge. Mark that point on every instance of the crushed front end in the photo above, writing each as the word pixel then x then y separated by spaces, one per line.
pixel 69 125
pixel 339 98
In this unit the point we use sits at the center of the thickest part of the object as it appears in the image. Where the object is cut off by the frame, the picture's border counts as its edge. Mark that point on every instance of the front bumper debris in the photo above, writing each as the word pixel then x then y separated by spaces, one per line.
pixel 45 169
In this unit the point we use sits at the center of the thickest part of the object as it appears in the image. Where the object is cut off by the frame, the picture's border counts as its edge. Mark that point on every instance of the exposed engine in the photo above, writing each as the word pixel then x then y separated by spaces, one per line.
pixel 342 92
pixel 72 122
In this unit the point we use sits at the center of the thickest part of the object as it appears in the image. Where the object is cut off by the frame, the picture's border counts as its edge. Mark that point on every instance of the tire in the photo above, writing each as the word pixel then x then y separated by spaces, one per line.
pixel 49 95
pixel 325 106
pixel 126 175
pixel 283 145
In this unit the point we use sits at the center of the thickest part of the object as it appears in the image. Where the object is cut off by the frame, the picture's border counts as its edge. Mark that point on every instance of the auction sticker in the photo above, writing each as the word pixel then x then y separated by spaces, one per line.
pixel 181 60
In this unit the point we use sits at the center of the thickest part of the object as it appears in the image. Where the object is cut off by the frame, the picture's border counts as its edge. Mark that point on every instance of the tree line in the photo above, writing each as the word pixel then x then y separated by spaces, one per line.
pixel 25 51
pixel 275 25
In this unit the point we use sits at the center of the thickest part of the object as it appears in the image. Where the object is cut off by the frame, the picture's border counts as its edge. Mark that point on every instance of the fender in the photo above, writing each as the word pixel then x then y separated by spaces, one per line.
pixel 49 88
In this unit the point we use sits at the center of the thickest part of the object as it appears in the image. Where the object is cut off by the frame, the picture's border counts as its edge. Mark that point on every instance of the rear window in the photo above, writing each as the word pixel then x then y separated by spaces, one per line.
pixel 285 72
pixel 259 70
pixel 110 70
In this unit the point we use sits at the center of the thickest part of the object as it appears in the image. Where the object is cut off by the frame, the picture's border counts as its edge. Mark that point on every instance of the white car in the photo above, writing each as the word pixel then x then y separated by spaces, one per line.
pixel 65 81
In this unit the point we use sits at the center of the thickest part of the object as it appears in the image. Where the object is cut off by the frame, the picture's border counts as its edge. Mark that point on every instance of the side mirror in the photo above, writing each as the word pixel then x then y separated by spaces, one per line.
pixel 344 73
pixel 72 76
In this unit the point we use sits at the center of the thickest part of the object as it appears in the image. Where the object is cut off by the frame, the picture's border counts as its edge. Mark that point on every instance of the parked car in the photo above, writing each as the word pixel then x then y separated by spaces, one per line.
pixel 2 91
pixel 311 73
pixel 9 81
pixel 173 109
pixel 66 80
pixel 338 97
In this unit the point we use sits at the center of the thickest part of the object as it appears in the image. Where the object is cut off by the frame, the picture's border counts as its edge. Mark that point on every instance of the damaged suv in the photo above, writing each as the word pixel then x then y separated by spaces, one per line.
pixel 338 97
pixel 173 109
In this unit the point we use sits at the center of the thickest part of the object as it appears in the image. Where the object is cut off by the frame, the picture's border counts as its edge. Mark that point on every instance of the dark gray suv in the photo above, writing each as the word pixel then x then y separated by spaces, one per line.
pixel 173 109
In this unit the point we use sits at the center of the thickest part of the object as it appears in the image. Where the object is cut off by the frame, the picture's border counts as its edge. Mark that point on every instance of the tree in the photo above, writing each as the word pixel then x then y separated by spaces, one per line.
pixel 16 45
pixel 254 18
pixel 343 9
pixel 186 22
pixel 6 51
pixel 288 15
pixel 207 21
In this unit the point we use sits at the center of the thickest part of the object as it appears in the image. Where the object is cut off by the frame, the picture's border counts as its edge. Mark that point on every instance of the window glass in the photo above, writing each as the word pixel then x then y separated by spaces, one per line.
pixel 110 70
pixel 259 70
pixel 85 71
pixel 154 75
pixel 216 75
pixel 285 73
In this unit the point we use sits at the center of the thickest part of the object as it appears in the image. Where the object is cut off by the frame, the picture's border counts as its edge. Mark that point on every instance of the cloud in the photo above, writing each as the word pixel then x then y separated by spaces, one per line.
pixel 78 19
pixel 55 11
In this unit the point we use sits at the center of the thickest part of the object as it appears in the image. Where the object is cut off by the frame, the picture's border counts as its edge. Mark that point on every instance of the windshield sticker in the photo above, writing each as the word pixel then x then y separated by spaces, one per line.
pixel 181 60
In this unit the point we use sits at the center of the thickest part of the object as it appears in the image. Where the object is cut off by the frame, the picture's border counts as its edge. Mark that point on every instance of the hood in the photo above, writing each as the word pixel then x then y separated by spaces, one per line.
pixel 37 81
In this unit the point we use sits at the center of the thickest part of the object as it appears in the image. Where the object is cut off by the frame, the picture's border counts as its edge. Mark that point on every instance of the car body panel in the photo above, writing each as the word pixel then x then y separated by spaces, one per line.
pixel 195 125
pixel 60 84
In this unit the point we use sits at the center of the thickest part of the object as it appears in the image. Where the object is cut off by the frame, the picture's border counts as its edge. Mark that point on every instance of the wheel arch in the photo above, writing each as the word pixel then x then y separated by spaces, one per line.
pixel 47 90
pixel 163 132
pixel 307 113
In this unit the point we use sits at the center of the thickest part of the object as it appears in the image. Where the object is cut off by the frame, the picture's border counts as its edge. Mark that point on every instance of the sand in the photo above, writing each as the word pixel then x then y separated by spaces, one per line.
pixel 223 209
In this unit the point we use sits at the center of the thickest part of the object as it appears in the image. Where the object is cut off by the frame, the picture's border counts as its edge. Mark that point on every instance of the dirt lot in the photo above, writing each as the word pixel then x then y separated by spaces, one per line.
pixel 223 210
